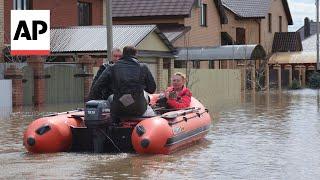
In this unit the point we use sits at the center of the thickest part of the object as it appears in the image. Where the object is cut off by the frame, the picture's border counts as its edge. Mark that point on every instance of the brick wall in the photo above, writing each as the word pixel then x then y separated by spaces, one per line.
pixel 1 27
pixel 251 27
pixel 200 35
pixel 88 64
pixel 17 87
pixel 37 64
pixel 276 9
pixel 63 13
pixel 159 74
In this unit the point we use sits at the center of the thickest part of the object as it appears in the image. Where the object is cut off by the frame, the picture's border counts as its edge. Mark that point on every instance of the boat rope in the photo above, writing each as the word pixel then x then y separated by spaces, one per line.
pixel 198 114
pixel 114 144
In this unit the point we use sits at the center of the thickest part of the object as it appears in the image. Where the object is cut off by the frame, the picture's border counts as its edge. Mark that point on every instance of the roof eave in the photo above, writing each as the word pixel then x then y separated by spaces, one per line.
pixel 287 11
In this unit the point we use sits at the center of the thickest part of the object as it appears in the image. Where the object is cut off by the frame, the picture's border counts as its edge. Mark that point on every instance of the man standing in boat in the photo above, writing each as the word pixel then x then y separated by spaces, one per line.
pixel 128 79
pixel 104 94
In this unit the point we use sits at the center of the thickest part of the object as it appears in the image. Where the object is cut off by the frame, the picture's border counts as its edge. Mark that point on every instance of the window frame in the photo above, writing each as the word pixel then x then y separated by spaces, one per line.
pixel 82 22
pixel 280 23
pixel 196 64
pixel 270 22
pixel 204 15
pixel 22 4
pixel 240 31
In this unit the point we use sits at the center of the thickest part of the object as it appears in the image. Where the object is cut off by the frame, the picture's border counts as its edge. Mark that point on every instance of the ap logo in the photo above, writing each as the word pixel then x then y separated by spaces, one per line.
pixel 30 32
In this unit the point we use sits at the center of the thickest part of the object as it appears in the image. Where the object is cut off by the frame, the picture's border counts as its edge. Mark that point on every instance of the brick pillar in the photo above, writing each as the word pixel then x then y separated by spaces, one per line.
pixel 311 68
pixel 159 74
pixel 170 71
pixel 204 64
pixel 267 78
pixel 88 64
pixel 303 76
pixel 278 68
pixel 289 67
pixel 242 76
pixel 16 76
pixel 300 73
pixel 253 77
pixel 37 64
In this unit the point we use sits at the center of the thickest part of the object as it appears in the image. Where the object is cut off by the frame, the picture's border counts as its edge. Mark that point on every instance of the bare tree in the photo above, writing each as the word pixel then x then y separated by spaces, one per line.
pixel 191 79
pixel 260 67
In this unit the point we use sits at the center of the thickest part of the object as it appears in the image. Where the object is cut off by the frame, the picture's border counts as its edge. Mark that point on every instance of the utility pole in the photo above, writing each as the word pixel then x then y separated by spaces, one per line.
pixel 109 28
pixel 317 27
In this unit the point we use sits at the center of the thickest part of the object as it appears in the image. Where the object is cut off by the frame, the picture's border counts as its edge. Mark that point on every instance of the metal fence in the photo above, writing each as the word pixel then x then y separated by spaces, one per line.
pixel 5 93
pixel 212 86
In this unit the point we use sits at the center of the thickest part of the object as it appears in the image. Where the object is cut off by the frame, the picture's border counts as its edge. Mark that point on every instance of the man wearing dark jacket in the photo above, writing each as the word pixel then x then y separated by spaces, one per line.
pixel 105 93
pixel 128 79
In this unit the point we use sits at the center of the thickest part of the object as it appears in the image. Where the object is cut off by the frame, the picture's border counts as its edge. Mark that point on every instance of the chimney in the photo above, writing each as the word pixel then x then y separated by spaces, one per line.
pixel 306 27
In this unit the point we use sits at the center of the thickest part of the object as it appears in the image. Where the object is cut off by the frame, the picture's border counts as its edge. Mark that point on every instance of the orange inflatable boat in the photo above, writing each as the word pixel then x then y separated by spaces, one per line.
pixel 92 130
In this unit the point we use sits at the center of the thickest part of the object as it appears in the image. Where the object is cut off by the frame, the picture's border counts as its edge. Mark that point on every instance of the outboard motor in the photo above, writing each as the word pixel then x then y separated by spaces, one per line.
pixel 97 119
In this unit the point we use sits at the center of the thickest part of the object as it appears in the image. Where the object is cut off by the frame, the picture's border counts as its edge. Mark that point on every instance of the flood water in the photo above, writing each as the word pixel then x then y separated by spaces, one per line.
pixel 261 136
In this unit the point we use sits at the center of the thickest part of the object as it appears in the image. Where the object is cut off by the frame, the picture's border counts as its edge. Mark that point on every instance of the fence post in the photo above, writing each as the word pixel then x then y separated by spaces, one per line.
pixel 289 67
pixel 278 68
pixel 267 82
pixel 88 64
pixel 37 64
pixel 16 76
pixel 159 74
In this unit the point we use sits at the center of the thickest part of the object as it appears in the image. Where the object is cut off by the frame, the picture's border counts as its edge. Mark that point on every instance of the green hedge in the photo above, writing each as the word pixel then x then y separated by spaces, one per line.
pixel 295 84
pixel 315 80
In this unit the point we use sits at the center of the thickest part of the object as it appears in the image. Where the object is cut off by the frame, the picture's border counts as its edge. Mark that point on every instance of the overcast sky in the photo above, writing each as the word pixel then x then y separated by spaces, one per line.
pixel 299 10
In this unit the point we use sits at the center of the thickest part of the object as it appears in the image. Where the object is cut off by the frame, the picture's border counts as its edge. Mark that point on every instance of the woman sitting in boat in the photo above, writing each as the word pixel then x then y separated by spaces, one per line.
pixel 177 96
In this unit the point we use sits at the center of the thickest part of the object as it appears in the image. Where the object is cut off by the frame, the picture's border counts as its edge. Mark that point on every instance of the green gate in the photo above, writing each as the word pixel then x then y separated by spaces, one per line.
pixel 62 86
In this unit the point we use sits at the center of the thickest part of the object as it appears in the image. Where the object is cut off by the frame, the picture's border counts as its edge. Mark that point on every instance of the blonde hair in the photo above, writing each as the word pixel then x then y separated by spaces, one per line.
pixel 183 76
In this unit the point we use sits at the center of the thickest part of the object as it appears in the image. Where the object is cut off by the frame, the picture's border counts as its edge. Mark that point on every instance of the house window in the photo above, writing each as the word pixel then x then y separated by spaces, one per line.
pixel 196 64
pixel 240 36
pixel 84 13
pixel 270 22
pixel 22 4
pixel 180 64
pixel 211 64
pixel 203 15
pixel 280 23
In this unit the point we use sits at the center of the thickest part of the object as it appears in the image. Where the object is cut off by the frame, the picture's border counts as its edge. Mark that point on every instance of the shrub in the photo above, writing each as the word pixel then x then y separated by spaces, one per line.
pixel 315 80
pixel 295 84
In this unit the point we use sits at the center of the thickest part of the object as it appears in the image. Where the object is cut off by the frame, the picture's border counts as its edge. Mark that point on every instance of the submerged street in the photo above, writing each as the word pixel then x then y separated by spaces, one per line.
pixel 261 136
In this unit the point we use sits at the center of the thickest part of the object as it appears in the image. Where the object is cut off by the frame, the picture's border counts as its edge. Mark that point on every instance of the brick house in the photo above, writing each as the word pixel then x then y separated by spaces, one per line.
pixel 1 27
pixel 63 13
pixel 204 17
pixel 73 14
pixel 255 21
pixel 188 23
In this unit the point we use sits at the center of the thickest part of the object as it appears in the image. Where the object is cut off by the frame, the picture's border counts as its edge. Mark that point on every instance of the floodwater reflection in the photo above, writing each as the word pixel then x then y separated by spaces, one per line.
pixel 271 135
